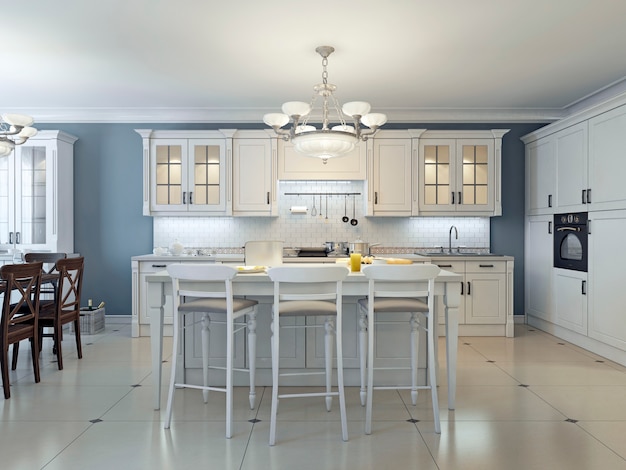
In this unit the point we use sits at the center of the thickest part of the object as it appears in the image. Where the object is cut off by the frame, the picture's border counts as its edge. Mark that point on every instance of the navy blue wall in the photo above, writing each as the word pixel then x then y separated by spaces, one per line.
pixel 110 228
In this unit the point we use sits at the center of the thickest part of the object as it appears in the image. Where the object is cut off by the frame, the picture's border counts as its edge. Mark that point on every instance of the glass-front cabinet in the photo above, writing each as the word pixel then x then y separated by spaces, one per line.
pixel 186 172
pixel 189 175
pixel 460 174
pixel 36 194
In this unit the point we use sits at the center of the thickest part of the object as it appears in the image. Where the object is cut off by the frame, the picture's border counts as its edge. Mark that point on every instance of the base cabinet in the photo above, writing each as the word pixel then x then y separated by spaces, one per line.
pixel 487 293
pixel 607 294
pixel 538 267
pixel 570 300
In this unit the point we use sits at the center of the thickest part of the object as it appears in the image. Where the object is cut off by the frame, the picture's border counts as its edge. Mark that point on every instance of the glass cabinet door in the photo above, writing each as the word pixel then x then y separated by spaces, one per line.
pixel 474 191
pixel 30 196
pixel 207 174
pixel 437 175
pixel 170 175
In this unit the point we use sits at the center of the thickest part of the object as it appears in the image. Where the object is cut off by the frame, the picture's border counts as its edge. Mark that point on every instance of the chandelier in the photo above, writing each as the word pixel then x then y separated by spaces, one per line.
pixel 14 130
pixel 325 142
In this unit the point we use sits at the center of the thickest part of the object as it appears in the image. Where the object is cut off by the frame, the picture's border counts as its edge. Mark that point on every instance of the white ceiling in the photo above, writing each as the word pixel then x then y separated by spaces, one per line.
pixel 204 61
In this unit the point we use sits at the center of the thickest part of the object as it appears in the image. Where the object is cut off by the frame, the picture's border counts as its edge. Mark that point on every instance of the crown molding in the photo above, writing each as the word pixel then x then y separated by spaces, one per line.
pixel 255 115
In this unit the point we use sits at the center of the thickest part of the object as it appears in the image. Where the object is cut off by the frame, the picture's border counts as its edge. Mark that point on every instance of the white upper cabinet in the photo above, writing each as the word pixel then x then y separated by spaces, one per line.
pixel 607 160
pixel 459 173
pixel 295 166
pixel 541 176
pixel 254 174
pixel 390 181
pixel 37 194
pixel 187 172
pixel 571 168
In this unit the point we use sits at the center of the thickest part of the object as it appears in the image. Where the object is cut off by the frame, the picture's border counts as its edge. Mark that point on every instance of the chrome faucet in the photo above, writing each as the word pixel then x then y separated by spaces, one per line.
pixel 456 232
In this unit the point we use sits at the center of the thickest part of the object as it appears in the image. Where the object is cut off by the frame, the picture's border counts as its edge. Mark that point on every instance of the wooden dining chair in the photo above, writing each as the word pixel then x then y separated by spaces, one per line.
pixel 66 305
pixel 20 285
pixel 47 292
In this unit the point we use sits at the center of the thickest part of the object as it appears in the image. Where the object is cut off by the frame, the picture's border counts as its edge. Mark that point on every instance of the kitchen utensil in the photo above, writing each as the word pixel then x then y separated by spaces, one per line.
pixel 345 218
pixel 321 206
pixel 362 247
pixel 330 246
pixel 314 209
pixel 327 207
pixel 353 222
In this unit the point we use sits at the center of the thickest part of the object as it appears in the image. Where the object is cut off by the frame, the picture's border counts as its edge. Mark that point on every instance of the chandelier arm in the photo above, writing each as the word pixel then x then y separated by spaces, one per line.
pixel 12 130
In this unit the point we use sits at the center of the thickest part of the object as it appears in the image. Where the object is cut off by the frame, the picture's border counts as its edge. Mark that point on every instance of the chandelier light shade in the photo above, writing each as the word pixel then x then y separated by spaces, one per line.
pixel 334 137
pixel 15 129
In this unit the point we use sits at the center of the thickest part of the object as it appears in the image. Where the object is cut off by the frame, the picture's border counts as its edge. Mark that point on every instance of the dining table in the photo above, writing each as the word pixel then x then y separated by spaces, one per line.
pixel 159 285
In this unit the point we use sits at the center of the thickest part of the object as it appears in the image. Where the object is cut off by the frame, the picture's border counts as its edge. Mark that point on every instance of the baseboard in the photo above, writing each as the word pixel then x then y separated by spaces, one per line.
pixel 124 319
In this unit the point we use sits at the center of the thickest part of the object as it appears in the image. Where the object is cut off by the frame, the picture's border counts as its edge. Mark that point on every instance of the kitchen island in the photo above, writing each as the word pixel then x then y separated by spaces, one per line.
pixel 259 286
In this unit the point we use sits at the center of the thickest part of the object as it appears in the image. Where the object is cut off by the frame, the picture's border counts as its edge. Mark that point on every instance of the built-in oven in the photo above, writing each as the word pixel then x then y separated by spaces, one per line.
pixel 570 241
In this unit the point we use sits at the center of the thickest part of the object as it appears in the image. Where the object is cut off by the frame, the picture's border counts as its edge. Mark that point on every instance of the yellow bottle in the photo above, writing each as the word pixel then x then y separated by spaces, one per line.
pixel 355 262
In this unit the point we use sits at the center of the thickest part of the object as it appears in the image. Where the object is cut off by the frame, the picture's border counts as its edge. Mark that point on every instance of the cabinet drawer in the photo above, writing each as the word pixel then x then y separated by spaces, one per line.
pixel 149 267
pixel 451 265
pixel 486 266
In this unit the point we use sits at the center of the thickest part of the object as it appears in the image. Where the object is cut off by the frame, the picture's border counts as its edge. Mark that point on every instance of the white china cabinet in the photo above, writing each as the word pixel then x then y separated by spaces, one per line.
pixel 37 194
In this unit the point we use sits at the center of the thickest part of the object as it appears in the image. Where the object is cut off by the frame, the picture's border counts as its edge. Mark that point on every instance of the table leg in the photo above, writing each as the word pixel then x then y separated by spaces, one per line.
pixel 156 300
pixel 452 299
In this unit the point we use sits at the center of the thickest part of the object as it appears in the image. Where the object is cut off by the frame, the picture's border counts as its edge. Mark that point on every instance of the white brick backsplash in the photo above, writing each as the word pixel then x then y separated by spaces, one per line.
pixel 305 230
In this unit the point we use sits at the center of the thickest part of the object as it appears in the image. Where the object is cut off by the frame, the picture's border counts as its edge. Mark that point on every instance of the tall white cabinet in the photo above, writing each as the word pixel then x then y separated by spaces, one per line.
pixel 37 194
pixel 578 165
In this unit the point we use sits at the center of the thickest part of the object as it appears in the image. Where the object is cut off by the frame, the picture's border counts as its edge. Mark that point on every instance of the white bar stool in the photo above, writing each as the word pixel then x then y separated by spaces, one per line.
pixel 214 298
pixel 399 289
pixel 309 291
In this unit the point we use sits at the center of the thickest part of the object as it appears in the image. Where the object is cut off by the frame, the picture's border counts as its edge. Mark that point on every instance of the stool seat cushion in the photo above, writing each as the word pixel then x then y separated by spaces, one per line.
pixel 215 305
pixel 396 304
pixel 306 307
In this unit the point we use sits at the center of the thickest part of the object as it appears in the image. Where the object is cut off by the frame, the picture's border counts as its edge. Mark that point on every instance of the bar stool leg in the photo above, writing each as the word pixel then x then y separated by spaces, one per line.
pixel 252 356
pixel 415 325
pixel 206 333
pixel 329 326
pixel 363 352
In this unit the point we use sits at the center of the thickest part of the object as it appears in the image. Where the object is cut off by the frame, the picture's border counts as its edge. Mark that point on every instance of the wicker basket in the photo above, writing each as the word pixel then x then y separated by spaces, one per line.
pixel 91 321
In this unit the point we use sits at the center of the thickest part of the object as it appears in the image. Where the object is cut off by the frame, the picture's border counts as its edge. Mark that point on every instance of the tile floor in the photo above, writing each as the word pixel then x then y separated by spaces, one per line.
pixel 529 402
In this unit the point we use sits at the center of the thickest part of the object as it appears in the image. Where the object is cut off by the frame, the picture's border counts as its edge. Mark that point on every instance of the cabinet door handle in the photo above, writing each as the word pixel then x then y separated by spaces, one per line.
pixel 452 197
pixel 584 196
pixel 583 288
pixel 588 227
pixel 184 197
pixel 460 200
pixel 190 197
pixel 444 265
pixel 159 265
pixel 375 197
pixel 549 200
pixel 462 288
pixel 469 288
pixel 485 265
pixel 589 196
pixel 11 237
pixel 18 238
pixel 550 227
pixel 268 197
